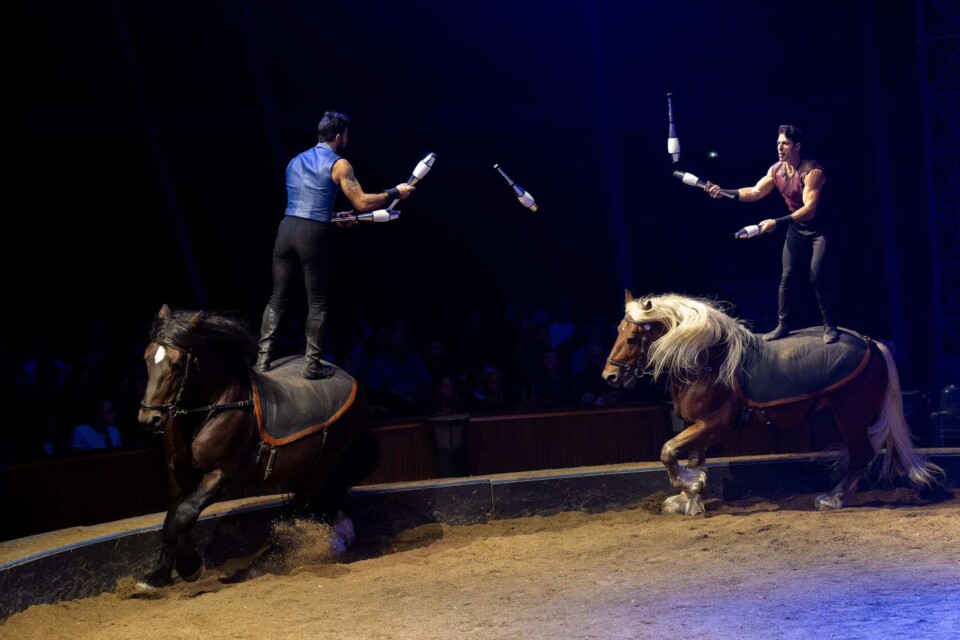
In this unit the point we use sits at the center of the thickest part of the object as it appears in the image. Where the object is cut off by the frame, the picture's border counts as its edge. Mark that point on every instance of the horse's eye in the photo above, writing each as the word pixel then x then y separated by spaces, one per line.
pixel 177 366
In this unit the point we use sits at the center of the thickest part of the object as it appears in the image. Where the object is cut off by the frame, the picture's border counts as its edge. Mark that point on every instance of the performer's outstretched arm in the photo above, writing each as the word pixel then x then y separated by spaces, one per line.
pixel 342 174
pixel 762 189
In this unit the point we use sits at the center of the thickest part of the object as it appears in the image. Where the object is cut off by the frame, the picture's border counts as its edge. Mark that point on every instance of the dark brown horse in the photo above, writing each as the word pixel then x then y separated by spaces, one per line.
pixel 220 422
pixel 722 376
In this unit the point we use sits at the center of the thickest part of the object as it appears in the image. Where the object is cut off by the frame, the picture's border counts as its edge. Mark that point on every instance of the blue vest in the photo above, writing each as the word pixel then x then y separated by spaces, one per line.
pixel 311 190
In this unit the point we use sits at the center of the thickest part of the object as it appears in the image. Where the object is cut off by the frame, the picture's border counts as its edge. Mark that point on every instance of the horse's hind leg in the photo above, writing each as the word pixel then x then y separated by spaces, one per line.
pixel 860 455
pixel 329 485
pixel 853 407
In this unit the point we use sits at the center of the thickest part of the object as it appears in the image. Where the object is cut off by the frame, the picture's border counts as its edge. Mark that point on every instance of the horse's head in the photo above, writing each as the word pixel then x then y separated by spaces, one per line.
pixel 168 369
pixel 628 357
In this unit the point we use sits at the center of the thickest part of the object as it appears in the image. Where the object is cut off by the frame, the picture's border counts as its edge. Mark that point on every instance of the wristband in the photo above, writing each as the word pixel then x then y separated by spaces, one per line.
pixel 784 220
pixel 392 194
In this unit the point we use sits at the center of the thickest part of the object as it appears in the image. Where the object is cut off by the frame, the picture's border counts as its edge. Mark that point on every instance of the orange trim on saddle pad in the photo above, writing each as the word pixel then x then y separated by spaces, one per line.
pixel 807 396
pixel 306 431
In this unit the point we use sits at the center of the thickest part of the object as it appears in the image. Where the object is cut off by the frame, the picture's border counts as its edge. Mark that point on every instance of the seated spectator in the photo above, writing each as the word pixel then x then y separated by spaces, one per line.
pixel 551 382
pixel 100 433
pixel 487 393
pixel 589 384
pixel 563 328
pixel 446 398
pixel 398 379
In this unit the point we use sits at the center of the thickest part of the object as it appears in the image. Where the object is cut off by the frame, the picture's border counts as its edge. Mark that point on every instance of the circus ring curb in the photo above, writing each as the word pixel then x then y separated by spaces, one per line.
pixel 85 561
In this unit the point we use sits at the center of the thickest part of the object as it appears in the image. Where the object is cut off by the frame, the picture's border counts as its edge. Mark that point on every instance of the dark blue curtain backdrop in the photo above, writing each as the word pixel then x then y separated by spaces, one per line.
pixel 150 141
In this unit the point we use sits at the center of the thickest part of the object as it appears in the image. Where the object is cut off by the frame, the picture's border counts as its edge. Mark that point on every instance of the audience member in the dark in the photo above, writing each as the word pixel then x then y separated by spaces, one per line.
pixel 398 379
pixel 487 393
pixel 589 383
pixel 100 433
pixel 41 388
pixel 475 344
pixel 551 383
pixel 593 334
pixel 131 389
pixel 563 327
pixel 437 360
pixel 43 373
pixel 446 399
pixel 530 359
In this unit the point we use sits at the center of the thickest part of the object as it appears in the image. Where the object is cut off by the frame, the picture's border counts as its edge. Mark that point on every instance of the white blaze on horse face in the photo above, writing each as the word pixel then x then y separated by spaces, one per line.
pixel 159 355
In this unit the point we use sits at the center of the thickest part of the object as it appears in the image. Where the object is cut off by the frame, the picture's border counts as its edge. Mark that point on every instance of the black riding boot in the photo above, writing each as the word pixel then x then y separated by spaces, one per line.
pixel 315 369
pixel 268 339
pixel 830 333
pixel 783 313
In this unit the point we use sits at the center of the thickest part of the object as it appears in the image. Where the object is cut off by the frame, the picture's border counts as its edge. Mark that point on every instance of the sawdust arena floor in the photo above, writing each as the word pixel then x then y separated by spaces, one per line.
pixel 888 566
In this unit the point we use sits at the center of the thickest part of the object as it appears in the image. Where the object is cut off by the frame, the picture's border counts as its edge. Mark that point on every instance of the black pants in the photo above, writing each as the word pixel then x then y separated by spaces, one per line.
pixel 301 246
pixel 800 249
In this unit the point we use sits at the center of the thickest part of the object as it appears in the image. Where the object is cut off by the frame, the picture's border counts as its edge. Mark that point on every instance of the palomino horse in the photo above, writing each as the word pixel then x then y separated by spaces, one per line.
pixel 223 423
pixel 722 377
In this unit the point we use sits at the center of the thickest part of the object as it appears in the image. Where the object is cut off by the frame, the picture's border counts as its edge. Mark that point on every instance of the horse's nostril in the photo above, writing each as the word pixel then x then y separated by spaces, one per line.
pixel 612 380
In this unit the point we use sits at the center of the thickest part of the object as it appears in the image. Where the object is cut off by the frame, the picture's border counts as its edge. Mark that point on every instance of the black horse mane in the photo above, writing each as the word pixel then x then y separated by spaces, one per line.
pixel 225 335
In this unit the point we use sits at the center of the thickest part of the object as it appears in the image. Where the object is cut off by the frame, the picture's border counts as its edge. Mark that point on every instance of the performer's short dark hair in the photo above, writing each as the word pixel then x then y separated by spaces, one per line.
pixel 793 133
pixel 332 123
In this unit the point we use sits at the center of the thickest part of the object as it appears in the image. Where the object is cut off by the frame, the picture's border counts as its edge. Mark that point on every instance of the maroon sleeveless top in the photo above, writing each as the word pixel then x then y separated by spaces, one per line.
pixel 792 188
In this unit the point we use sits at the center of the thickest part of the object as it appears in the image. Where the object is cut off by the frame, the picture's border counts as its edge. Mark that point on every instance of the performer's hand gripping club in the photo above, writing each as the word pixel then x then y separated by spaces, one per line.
pixel 401 191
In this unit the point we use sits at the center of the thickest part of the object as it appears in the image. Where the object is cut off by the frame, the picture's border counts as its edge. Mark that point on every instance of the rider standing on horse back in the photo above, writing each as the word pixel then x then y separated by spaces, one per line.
pixel 800 180
pixel 314 179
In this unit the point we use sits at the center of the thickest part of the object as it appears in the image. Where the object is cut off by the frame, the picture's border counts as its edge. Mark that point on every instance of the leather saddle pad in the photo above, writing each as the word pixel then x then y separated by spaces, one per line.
pixel 800 367
pixel 289 407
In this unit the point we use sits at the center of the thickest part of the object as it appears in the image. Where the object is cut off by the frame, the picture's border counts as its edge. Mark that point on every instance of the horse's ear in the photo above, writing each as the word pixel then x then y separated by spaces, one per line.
pixel 164 312
pixel 195 320
pixel 647 305
pixel 628 297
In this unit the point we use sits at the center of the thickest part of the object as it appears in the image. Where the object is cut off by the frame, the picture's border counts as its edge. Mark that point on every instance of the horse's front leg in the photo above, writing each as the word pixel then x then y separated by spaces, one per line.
pixel 160 576
pixel 690 481
pixel 188 561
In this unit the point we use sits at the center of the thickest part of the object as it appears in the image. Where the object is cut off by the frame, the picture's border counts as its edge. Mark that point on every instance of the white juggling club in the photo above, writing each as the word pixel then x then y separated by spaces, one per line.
pixel 673 142
pixel 380 215
pixel 748 231
pixel 524 196
pixel 423 168
pixel 692 180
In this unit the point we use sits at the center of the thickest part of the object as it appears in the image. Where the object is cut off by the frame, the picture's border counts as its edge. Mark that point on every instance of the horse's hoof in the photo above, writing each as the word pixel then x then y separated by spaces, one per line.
pixel 343 534
pixel 675 505
pixel 695 506
pixel 828 502
pixel 154 580
pixel 699 484
pixel 193 577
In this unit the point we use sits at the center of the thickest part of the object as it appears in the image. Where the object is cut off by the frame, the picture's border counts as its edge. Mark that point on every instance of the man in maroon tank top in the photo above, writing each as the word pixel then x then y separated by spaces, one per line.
pixel 800 181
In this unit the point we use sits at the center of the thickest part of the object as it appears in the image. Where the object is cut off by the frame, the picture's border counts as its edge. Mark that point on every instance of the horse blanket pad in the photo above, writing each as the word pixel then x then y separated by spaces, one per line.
pixel 289 407
pixel 800 367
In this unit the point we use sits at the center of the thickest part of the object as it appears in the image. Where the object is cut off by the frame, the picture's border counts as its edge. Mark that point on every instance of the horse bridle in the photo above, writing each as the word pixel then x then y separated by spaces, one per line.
pixel 170 408
pixel 644 344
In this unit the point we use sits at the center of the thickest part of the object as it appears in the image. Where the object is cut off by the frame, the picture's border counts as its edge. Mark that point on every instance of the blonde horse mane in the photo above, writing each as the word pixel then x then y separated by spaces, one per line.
pixel 692 325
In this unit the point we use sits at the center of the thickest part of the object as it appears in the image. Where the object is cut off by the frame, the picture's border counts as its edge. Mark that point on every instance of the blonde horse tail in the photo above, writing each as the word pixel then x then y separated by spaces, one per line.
pixel 892 431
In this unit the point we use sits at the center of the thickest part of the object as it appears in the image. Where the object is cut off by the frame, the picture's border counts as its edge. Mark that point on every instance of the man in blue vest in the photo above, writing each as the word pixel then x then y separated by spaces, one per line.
pixel 314 179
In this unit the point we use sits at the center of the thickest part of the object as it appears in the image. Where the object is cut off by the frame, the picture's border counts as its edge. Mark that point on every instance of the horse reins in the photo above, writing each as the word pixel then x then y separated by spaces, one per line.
pixel 172 406
pixel 644 343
